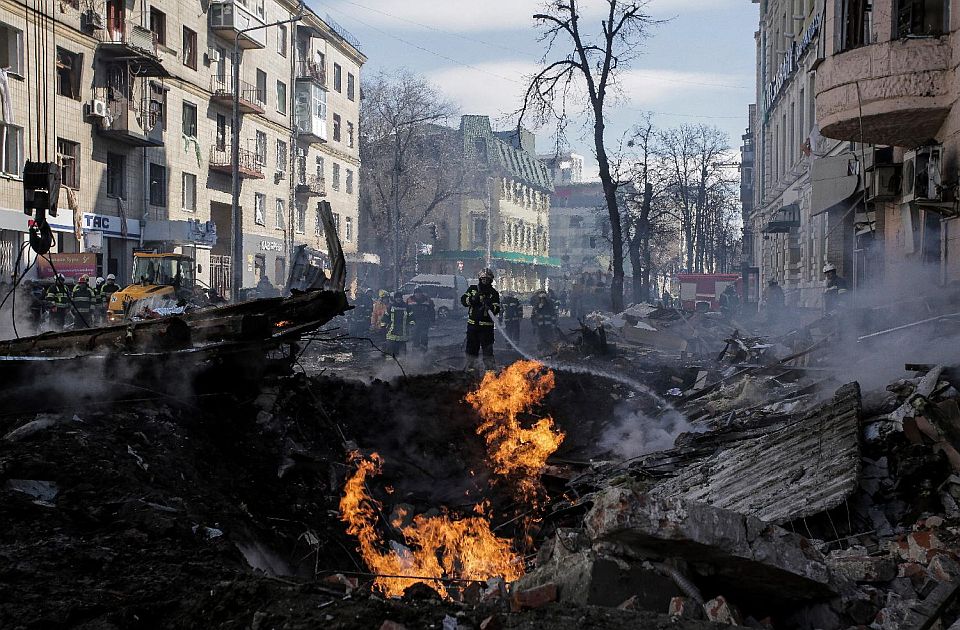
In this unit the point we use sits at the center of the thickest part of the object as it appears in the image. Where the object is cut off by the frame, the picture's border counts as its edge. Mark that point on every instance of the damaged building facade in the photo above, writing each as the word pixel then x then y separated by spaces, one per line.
pixel 134 101
pixel 888 79
pixel 503 215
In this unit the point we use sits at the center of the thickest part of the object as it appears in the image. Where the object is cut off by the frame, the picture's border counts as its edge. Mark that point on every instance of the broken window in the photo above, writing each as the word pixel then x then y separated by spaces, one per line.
pixel 116 175
pixel 348 231
pixel 158 25
pixel 189 194
pixel 336 127
pixel 301 218
pixel 335 183
pixel 69 155
pixel 11 49
pixel 922 18
pixel 189 120
pixel 158 106
pixel 318 228
pixel 320 166
pixel 261 86
pixel 855 24
pixel 337 77
pixel 280 213
pixel 12 150
pixel 282 40
pixel 479 233
pixel 349 182
pixel 158 185
pixel 69 70
pixel 260 149
pixel 189 48
pixel 336 222
pixel 279 269
pixel 259 208
pixel 221 140
pixel 281 156
pixel 350 134
pixel 351 87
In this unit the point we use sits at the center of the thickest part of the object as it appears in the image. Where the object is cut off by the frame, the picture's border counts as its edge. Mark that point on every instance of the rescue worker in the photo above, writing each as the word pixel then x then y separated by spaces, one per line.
pixel 83 299
pixel 836 287
pixel 424 312
pixel 666 299
pixel 32 296
pixel 57 302
pixel 544 320
pixel 774 300
pixel 380 307
pixel 360 321
pixel 482 302
pixel 99 306
pixel 109 287
pixel 511 315
pixel 730 302
pixel 398 320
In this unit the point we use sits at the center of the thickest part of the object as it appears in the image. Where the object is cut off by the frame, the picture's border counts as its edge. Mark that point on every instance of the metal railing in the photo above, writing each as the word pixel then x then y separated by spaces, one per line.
pixel 310 184
pixel 248 163
pixel 132 35
pixel 222 86
pixel 312 70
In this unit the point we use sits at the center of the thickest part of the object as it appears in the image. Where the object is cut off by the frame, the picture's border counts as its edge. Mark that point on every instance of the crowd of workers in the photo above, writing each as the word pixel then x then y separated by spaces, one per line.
pixel 58 305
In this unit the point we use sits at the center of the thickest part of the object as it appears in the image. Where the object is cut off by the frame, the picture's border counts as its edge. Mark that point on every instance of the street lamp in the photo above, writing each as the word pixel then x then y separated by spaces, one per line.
pixel 236 215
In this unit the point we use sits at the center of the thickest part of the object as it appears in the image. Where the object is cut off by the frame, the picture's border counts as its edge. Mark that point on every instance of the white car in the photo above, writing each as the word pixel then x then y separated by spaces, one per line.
pixel 444 290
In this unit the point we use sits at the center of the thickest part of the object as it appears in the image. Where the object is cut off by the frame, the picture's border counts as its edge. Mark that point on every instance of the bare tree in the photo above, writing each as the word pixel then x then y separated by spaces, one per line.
pixel 577 61
pixel 410 165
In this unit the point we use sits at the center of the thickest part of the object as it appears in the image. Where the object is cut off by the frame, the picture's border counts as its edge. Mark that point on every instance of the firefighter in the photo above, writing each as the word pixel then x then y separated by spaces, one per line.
pixel 424 313
pixel 730 302
pixel 397 321
pixel 774 301
pixel 544 320
pixel 836 287
pixel 109 287
pixel 32 296
pixel 84 298
pixel 380 307
pixel 57 302
pixel 511 315
pixel 99 306
pixel 482 301
pixel 360 321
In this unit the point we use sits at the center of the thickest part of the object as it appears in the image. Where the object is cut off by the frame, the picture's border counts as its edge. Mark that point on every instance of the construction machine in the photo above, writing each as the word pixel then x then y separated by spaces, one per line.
pixel 158 280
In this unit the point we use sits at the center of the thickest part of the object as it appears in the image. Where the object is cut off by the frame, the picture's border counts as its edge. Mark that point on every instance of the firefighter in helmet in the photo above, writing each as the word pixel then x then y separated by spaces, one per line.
pixel 483 304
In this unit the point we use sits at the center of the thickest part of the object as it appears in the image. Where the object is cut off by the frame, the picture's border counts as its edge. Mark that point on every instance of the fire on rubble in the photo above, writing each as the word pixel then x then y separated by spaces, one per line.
pixel 449 547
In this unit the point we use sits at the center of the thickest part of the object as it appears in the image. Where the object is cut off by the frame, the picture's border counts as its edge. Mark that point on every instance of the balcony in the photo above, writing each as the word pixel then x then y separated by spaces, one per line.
pixel 311 112
pixel 126 120
pixel 904 92
pixel 311 186
pixel 133 44
pixel 312 71
pixel 228 18
pixel 248 166
pixel 252 100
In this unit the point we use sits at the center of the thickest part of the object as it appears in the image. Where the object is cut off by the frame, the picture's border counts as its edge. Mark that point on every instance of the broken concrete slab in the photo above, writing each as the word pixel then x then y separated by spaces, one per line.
pixel 532 598
pixel 858 565
pixel 765 559
pixel 804 468
pixel 719 610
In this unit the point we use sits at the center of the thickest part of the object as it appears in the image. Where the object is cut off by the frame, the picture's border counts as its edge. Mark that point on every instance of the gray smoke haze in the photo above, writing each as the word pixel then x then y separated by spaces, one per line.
pixel 634 433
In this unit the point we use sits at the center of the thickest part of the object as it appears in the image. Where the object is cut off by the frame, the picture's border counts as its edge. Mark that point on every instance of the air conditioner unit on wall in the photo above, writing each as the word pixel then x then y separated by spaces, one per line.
pixel 921 175
pixel 92 19
pixel 883 183
pixel 97 108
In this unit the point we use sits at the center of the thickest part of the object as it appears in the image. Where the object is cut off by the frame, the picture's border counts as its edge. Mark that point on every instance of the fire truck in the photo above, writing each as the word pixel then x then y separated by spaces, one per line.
pixel 701 291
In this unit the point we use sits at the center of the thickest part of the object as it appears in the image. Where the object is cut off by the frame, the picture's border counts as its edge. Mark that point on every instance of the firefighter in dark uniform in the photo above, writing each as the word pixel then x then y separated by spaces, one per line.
pixel 398 320
pixel 84 299
pixel 511 315
pixel 482 302
pixel 544 319
pixel 360 319
pixel 107 290
pixel 424 313
pixel 57 302
pixel 32 296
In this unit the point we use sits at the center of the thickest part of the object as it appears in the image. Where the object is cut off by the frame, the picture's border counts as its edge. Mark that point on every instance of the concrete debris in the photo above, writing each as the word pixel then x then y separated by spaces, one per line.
pixel 533 598
pixel 858 565
pixel 686 608
pixel 44 491
pixel 764 558
pixel 719 610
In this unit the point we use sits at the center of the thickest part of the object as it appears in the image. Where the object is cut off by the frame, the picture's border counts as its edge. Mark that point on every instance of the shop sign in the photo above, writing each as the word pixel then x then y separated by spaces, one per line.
pixel 789 65
pixel 270 246
pixel 70 265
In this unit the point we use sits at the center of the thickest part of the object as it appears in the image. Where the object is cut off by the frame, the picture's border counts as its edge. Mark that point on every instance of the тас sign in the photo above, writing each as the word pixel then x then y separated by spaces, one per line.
pixel 70 265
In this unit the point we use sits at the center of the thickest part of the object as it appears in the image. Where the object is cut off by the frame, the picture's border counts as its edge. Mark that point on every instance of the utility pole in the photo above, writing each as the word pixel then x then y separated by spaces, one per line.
pixel 396 209
pixel 235 213
pixel 489 181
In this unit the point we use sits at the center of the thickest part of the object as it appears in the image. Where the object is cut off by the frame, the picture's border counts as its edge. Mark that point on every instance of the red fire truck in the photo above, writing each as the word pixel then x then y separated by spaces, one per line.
pixel 704 289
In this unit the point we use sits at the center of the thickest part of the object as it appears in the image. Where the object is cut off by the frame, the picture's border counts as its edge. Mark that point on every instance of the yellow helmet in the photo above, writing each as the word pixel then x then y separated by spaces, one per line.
pixel 84 278
pixel 382 293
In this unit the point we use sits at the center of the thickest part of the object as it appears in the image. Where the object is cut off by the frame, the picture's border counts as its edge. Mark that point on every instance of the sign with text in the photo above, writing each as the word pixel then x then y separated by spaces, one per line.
pixel 70 265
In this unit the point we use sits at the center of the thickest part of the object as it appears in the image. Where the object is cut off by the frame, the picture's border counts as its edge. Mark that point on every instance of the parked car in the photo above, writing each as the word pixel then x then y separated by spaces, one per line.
pixel 444 290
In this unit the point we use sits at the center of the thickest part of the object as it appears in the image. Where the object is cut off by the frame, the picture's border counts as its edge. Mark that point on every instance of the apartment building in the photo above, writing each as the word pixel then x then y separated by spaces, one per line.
pixel 135 101
pixel 889 79
pixel 579 228
pixel 565 168
pixel 804 185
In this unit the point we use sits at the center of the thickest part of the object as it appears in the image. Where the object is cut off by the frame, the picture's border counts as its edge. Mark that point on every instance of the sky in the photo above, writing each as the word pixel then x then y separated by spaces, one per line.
pixel 697 66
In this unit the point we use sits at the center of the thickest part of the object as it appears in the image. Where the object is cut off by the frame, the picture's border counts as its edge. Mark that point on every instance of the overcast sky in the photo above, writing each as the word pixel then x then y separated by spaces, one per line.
pixel 698 66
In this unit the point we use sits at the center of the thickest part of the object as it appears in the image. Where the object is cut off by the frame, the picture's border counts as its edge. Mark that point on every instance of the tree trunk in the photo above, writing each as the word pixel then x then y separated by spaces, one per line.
pixel 644 245
pixel 613 211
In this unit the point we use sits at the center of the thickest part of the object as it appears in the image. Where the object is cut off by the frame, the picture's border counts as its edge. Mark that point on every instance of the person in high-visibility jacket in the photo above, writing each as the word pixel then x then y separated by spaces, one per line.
pixel 84 299
pixel 544 319
pixel 380 307
pixel 107 290
pixel 398 322
pixel 57 301
pixel 511 316
pixel 483 302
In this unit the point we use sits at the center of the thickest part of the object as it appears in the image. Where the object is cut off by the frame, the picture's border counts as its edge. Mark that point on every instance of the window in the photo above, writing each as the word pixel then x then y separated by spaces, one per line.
pixel 320 166
pixel 11 48
pixel 318 228
pixel 855 24
pixel 189 120
pixel 221 140
pixel 351 87
pixel 158 106
pixel 282 97
pixel 69 71
pixel 69 155
pixel 189 194
pixel 282 40
pixel 116 176
pixel 348 229
pixel 189 48
pixel 921 18
pixel 261 86
pixel 281 156
pixel 350 134
pixel 158 185
pixel 336 127
pixel 301 218
pixel 576 222
pixel 335 184
pixel 158 25
pixel 12 150
pixel 336 222
pixel 260 149
pixel 337 77
pixel 280 213
pixel 280 269
pixel 479 234
pixel 349 182
pixel 259 208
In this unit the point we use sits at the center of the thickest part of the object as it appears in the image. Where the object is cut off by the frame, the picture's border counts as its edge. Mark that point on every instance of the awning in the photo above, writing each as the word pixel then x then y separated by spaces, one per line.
pixel 835 179
pixel 783 220
pixel 515 257
pixel 362 258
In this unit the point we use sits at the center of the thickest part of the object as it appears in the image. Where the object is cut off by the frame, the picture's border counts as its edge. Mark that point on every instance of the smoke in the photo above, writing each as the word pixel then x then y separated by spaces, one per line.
pixel 633 433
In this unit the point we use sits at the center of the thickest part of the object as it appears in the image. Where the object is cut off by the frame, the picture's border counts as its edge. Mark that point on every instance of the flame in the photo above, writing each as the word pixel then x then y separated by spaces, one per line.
pixel 436 546
pixel 516 453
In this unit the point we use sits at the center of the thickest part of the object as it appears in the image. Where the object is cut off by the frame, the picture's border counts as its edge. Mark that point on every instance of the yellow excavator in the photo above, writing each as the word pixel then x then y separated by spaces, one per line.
pixel 158 279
